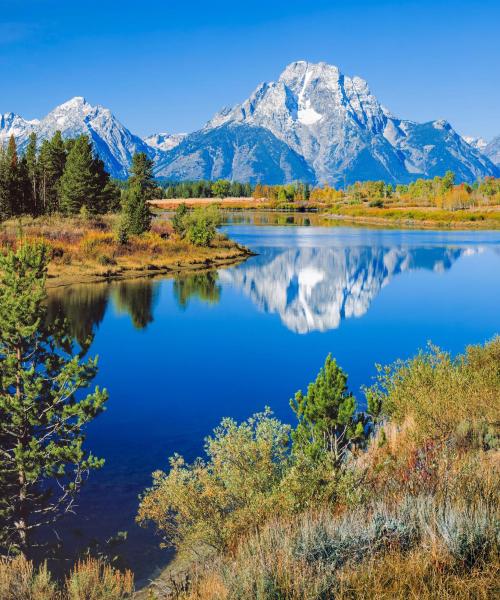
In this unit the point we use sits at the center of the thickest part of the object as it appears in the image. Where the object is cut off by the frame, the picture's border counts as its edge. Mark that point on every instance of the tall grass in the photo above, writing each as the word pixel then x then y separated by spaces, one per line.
pixel 318 556
pixel 90 579
pixel 420 517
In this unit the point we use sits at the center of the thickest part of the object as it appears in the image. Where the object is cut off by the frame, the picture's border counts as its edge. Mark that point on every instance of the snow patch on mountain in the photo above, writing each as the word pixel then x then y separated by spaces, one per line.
pixel 164 141
pixel 113 142
pixel 476 142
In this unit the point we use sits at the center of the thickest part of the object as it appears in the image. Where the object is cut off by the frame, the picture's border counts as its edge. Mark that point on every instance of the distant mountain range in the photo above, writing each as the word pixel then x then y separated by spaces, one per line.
pixel 314 125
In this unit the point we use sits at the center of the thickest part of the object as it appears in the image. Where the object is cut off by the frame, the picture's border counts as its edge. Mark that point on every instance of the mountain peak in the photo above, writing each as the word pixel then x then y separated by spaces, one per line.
pixel 113 142
pixel 75 102
pixel 338 126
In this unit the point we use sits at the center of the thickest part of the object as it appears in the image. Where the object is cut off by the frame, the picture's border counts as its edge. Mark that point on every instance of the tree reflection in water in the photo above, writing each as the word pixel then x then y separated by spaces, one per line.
pixel 200 285
pixel 84 306
pixel 136 298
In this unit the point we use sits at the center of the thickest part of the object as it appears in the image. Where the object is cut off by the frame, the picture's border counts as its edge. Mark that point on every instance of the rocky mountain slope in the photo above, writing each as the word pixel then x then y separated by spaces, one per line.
pixel 313 124
pixel 113 142
pixel 492 150
pixel 344 133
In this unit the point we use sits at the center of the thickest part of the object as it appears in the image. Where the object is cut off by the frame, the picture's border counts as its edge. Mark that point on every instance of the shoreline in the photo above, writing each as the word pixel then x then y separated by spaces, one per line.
pixel 415 223
pixel 466 219
pixel 149 270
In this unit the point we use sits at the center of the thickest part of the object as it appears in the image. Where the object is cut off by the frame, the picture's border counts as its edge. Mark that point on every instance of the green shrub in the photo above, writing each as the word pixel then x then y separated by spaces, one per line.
pixel 210 502
pixel 179 219
pixel 201 225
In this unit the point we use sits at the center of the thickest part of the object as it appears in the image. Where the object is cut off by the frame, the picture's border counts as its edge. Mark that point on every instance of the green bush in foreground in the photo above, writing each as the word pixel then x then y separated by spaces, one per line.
pixel 411 512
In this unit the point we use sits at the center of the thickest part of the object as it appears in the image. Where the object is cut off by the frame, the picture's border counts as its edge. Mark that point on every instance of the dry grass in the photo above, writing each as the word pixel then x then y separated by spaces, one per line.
pixel 87 250
pixel 421 216
pixel 419 575
pixel 426 523
pixel 90 579
pixel 413 551
pixel 227 203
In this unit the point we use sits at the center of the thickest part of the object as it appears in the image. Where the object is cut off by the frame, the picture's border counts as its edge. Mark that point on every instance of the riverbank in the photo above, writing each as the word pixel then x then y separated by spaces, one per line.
pixel 412 511
pixel 86 250
pixel 418 217
pixel 394 215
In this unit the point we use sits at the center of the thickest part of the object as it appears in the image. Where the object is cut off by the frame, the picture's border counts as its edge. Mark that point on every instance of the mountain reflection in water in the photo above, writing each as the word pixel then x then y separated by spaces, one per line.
pixel 314 289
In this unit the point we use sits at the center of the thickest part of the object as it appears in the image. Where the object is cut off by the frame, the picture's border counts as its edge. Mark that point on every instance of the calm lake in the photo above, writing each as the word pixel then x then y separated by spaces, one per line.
pixel 178 355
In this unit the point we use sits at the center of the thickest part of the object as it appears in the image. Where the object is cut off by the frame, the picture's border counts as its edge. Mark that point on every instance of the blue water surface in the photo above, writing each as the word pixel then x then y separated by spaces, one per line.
pixel 178 355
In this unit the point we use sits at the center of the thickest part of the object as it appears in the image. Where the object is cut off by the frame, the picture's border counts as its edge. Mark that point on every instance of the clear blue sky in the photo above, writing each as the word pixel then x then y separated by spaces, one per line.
pixel 169 65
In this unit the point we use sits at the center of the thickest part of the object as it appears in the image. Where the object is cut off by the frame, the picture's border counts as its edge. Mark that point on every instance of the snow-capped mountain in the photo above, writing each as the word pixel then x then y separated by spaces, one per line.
pixel 113 142
pixel 313 124
pixel 336 125
pixel 492 150
pixel 12 124
pixel 164 141
pixel 476 142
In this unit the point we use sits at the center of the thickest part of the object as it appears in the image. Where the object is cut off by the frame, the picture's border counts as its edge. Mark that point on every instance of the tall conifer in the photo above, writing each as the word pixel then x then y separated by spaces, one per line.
pixel 42 416
pixel 52 160
pixel 79 184
pixel 32 175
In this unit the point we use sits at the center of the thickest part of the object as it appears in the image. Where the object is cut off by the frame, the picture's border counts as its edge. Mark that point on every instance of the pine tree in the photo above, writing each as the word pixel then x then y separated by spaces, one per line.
pixel 25 192
pixel 326 415
pixel 109 196
pixel 42 415
pixel 79 184
pixel 32 175
pixel 4 186
pixel 11 195
pixel 141 174
pixel 51 162
pixel 136 215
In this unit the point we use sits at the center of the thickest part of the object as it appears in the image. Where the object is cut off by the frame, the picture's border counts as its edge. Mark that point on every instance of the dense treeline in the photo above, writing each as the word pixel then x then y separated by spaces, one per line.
pixel 56 176
pixel 66 176
pixel 222 188
pixel 439 191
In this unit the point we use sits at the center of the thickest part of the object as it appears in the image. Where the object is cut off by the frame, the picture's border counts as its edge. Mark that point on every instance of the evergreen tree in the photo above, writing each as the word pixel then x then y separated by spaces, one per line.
pixel 42 416
pixel 326 414
pixel 136 216
pixel 14 183
pixel 178 221
pixel 51 162
pixel 4 186
pixel 25 192
pixel 108 196
pixel 32 175
pixel 79 184
pixel 141 175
